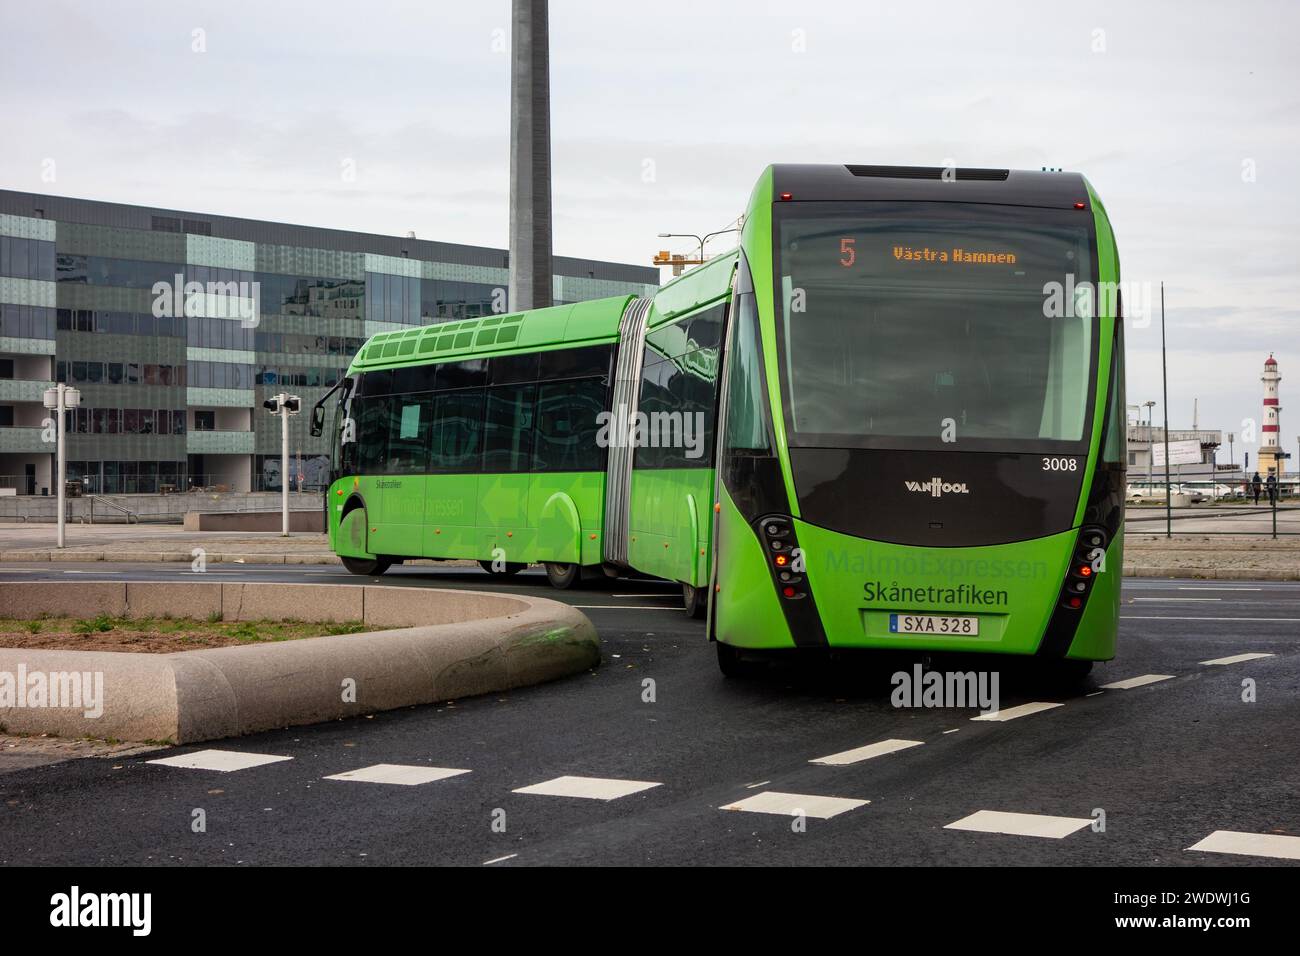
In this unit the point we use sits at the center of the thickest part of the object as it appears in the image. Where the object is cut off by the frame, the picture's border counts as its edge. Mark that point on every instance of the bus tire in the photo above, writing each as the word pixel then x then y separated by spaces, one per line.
pixel 729 661
pixel 509 571
pixel 695 601
pixel 563 576
pixel 366 566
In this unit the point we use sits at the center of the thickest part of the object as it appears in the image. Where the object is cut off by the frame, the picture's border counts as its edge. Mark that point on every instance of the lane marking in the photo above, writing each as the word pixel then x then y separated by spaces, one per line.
pixel 1023 710
pixel 621 607
pixel 588 788
pixel 92 572
pixel 1131 682
pixel 953 731
pixel 404 775
pixel 1020 824
pixel 501 859
pixel 665 596
pixel 789 804
pixel 1171 617
pixel 755 786
pixel 1182 600
pixel 1095 693
pixel 1194 588
pixel 859 754
pixel 1236 659
pixel 1250 844
pixel 222 760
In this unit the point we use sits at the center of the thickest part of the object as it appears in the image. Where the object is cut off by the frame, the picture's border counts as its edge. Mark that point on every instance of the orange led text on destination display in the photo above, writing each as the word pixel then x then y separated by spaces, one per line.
pixel 953 256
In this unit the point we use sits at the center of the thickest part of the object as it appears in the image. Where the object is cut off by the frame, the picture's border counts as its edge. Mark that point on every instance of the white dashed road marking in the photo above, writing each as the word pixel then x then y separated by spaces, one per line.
pixel 1250 844
pixel 590 788
pixel 500 859
pixel 403 774
pixel 789 804
pixel 1236 658
pixel 1142 681
pixel 866 753
pixel 1023 710
pixel 223 760
pixel 1020 824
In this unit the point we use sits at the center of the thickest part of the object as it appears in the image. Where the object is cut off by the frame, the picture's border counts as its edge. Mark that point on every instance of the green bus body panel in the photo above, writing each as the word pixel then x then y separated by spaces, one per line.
pixel 693 290
pixel 1023 580
pixel 532 518
pixel 671 523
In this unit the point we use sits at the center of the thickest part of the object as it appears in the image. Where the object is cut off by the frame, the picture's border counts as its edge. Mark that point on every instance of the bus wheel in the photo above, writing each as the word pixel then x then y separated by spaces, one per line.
pixel 366 566
pixel 696 601
pixel 509 571
pixel 729 661
pixel 563 576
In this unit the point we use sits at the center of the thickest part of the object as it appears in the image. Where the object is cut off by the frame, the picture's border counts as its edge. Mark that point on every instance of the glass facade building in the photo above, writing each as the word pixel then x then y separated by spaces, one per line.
pixel 175 327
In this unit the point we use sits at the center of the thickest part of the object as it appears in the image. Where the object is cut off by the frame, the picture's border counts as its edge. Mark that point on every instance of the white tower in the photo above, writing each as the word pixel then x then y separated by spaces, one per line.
pixel 1270 452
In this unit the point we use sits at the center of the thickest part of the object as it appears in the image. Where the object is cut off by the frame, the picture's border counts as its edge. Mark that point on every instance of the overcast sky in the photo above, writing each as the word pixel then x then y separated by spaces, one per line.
pixel 664 114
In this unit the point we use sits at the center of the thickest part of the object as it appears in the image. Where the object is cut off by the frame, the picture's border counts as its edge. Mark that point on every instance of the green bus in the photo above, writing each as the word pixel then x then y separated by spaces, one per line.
pixel 893 417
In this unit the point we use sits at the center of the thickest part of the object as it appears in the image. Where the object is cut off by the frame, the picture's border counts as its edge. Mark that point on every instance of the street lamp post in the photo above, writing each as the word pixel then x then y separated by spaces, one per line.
pixel 59 399
pixel 284 405
pixel 1150 441
pixel 699 239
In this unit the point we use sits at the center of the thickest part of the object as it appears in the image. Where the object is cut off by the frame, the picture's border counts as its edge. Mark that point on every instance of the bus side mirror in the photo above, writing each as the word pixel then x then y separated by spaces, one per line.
pixel 317 421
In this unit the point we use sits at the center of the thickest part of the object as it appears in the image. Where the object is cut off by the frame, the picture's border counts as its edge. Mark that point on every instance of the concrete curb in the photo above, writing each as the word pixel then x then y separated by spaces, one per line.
pixel 1215 574
pixel 434 646
pixel 211 557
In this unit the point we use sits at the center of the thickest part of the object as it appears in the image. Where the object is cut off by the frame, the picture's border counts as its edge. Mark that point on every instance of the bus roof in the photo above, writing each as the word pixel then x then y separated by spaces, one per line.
pixel 1010 187
pixel 592 322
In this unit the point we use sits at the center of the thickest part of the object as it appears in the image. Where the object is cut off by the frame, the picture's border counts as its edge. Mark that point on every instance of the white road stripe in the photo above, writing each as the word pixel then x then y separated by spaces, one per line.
pixel 1171 617
pixel 859 754
pixel 1250 844
pixel 1191 588
pixel 92 572
pixel 1023 710
pixel 500 859
pixel 789 804
pixel 665 596
pixel 1178 599
pixel 404 775
pixel 622 607
pixel 223 760
pixel 589 788
pixel 1020 824
pixel 1236 659
pixel 1132 682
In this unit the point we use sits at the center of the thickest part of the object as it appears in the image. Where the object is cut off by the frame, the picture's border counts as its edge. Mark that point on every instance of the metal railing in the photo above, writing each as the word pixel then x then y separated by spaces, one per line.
pixel 92 500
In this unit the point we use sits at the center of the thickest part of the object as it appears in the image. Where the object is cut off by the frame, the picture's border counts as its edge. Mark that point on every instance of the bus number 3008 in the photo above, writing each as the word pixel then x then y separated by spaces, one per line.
pixel 1060 464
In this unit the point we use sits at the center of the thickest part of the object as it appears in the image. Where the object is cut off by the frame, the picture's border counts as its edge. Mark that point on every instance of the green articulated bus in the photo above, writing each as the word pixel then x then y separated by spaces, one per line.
pixel 893 417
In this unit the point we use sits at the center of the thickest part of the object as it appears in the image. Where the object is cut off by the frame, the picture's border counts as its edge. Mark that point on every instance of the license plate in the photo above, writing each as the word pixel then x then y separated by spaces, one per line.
pixel 961 625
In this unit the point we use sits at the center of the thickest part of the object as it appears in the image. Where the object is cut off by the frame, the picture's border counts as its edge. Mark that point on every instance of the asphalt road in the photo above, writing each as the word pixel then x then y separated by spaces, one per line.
pixel 1168 763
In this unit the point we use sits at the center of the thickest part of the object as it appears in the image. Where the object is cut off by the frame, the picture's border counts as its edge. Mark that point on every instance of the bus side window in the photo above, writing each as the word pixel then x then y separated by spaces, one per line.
pixel 372 435
pixel 408 433
pixel 457 431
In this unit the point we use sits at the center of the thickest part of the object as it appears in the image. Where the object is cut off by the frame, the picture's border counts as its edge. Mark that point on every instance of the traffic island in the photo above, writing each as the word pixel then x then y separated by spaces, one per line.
pixel 420 647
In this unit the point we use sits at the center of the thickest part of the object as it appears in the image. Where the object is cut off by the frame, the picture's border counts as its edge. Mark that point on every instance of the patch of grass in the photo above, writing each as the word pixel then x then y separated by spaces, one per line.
pixel 215 617
pixel 33 627
pixel 347 627
pixel 96 625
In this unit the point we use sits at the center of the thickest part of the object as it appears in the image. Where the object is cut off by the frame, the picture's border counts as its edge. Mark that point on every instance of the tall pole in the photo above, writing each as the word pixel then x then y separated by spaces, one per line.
pixel 530 157
pixel 284 464
pixel 60 457
pixel 1164 381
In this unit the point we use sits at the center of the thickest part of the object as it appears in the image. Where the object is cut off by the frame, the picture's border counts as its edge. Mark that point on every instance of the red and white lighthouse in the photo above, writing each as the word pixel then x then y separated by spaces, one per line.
pixel 1270 452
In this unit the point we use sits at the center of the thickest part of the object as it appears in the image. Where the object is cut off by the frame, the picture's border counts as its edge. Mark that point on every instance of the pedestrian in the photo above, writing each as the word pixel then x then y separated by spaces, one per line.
pixel 1256 485
pixel 1272 489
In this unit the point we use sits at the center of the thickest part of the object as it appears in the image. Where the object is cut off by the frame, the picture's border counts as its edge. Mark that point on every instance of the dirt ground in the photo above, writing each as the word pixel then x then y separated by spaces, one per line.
pixel 155 636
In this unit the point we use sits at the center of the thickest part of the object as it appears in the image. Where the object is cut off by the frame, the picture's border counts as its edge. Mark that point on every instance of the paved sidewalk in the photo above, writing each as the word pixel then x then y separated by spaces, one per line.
pixel 1145 554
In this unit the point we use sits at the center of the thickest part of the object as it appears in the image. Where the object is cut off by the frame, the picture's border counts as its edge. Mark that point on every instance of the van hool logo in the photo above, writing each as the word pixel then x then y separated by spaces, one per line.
pixel 937 486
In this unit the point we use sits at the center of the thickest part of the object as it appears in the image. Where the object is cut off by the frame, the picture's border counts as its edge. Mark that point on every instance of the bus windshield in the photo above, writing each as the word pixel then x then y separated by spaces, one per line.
pixel 935 325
